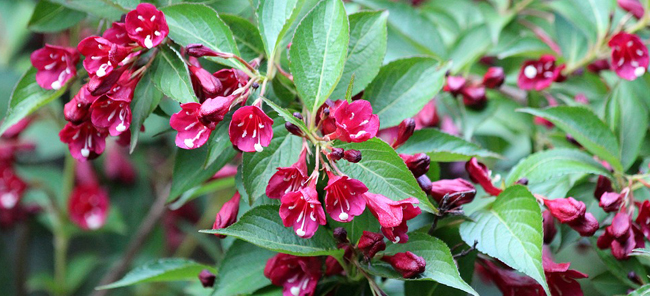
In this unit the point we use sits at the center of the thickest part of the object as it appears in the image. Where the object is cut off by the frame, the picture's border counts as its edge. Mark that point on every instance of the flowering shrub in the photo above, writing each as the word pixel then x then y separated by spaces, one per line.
pixel 327 147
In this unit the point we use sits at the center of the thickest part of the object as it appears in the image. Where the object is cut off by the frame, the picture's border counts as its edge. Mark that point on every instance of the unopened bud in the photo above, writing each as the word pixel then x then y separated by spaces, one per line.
pixel 352 156
pixel 341 235
pixel 548 225
pixel 407 264
pixel 200 50
pixel 494 77
pixel 255 85
pixel 522 181
pixel 418 163
pixel 405 131
pixel 207 278
pixel 474 97
pixel 292 128
pixel 452 192
pixel 336 154
pixel 424 182
pixel 297 115
pixel 454 85
pixel 566 210
pixel 370 243
pixel 612 201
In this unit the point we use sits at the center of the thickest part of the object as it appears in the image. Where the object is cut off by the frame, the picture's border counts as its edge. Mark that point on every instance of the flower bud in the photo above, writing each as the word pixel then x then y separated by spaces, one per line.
pixel 336 154
pixel 548 224
pixel 405 131
pixel 200 50
pixel 341 235
pixel 407 263
pixel 586 226
pixel 479 173
pixel 370 243
pixel 494 77
pixel 457 191
pixel 454 85
pixel 598 65
pixel 474 97
pixel 74 112
pixel 204 84
pixel 297 115
pixel 228 214
pixel 207 278
pixel 424 182
pixel 603 185
pixel 332 266
pixel 581 98
pixel 352 155
pixel 612 201
pixel 632 6
pixel 566 210
pixel 418 163
pixel 292 128
pixel 522 181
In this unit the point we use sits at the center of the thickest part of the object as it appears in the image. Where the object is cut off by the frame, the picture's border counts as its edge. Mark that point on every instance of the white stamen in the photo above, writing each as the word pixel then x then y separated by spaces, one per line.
pixel 530 72
pixel 258 147
pixel 250 116
pixel 85 152
pixel 396 239
pixel 359 134
pixel 191 125
pixel 93 220
pixel 260 125
pixel 254 133
pixel 157 33
pixel 364 122
pixel 95 58
pixel 312 216
pixel 148 43
pixel 639 71
pixel 351 116
pixel 295 291
pixel 138 30
pixel 244 134
pixel 56 84
pixel 140 18
pixel 189 143
pixel 629 43
pixel 8 200
pixel 639 52
pixel 50 66
pixel 634 63
pixel 301 233
pixel 120 127
pixel 240 124
pixel 620 62
pixel 343 216
pixel 153 17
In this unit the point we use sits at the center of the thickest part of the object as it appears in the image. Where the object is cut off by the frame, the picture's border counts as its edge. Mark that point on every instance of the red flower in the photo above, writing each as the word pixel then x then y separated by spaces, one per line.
pixel 509 282
pixel 228 214
pixel 598 65
pixel 124 87
pixel 355 122
pixel 303 211
pixel 407 264
pixel 392 215
pixel 603 185
pixel 494 77
pixel 538 74
pixel 418 163
pixel 479 173
pixel 632 6
pixel 643 218
pixel 102 56
pixel 55 65
pixel 454 85
pixel 192 133
pixel 612 201
pixel 622 236
pixel 115 115
pixel 250 129
pixel 146 25
pixel 231 80
pixel 405 130
pixel 427 117
pixel 561 280
pixel 297 275
pixel 458 192
pixel 325 118
pixel 548 223
pixel 566 210
pixel 370 243
pixel 74 111
pixel 289 179
pixel 117 34
pixel 11 188
pixel 474 96
pixel 629 55
pixel 88 206
pixel 85 141
pixel 344 198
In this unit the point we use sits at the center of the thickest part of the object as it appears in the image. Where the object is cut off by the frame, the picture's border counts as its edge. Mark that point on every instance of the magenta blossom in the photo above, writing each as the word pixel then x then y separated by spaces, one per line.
pixel 302 211
pixel 231 80
pixel 250 129
pixel 479 173
pixel 192 133
pixel 85 141
pixel 392 215
pixel 629 55
pixel 427 117
pixel 88 206
pixel 11 188
pixel 632 6
pixel 102 56
pixel 146 25
pixel 117 34
pixel 344 198
pixel 228 214
pixel 407 264
pixel 355 122
pixel 298 276
pixel 55 65
pixel 538 74
pixel 115 115
pixel 289 179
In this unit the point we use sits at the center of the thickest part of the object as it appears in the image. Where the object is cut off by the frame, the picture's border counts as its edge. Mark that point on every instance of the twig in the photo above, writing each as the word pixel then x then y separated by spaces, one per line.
pixel 22 250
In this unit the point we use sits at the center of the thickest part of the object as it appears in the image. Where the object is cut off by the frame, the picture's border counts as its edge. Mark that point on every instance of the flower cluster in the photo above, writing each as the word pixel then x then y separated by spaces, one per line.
pixel 573 213
pixel 102 105
pixel 473 92
pixel 88 204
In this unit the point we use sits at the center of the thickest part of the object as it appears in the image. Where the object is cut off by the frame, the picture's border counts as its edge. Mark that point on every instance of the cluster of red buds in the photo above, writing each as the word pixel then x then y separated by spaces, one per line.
pixel 102 105
pixel 571 212
pixel 474 92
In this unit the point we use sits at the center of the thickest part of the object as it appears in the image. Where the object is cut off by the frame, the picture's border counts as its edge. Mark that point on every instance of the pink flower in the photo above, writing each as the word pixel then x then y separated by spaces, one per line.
pixel 231 80
pixel 75 111
pixel 85 141
pixel 289 179
pixel 474 96
pixel 117 34
pixel 632 6
pixel 454 85
pixel 102 85
pixel 479 173
pixel 566 210
pixel 407 264
pixel 146 25
pixel 55 65
pixel 124 88
pixel 228 214
pixel 405 130
pixel 297 275
pixel 325 118
pixel 427 117
pixel 392 215
pixel 250 129
pixel 102 56
pixel 355 122
pixel 15 130
pixel 344 197
pixel 643 218
pixel 302 211
pixel 538 74
pixel 629 55
pixel 494 77
pixel 192 133
pixel 11 188
pixel 115 115
pixel 88 206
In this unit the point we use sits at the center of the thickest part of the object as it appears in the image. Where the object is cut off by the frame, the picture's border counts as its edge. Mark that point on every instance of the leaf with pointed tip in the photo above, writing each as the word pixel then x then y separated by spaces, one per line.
pixel 53 17
pixel 243 263
pixel 171 76
pixel 246 35
pixel 274 17
pixel 161 270
pixel 145 99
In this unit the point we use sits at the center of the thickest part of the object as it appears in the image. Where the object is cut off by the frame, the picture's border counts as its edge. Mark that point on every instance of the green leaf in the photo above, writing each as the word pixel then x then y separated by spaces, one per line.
pixel 263 227
pixel 510 231
pixel 274 17
pixel 26 98
pixel 242 270
pixel 443 147
pixel 99 8
pixel 287 115
pixel 572 41
pixel 219 141
pixel 366 51
pixel 624 104
pixel 586 128
pixel 258 167
pixel 318 52
pixel 197 23
pixel 188 171
pixel 403 87
pixel 440 263
pixel 644 290
pixel 247 36
pixel 52 17
pixel 545 165
pixel 621 268
pixel 145 99
pixel 469 47
pixel 406 25
pixel 171 76
pixel 161 270
pixel 383 172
